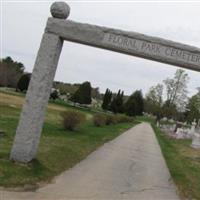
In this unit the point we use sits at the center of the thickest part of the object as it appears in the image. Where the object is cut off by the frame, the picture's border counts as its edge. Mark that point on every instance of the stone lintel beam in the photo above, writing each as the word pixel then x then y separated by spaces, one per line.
pixel 130 43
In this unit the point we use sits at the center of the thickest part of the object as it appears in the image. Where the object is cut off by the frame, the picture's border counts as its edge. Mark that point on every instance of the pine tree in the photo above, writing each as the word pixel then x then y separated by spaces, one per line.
pixel 135 104
pixel 120 102
pixel 139 102
pixel 107 99
pixel 83 94
pixel 23 82
pixel 54 95
pixel 117 103
pixel 113 106
pixel 130 106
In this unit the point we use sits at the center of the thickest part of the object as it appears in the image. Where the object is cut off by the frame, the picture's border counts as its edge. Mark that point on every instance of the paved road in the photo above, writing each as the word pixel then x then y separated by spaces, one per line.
pixel 129 167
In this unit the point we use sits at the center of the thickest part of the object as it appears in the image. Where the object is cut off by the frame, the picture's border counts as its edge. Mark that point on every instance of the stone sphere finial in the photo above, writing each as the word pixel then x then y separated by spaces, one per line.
pixel 60 10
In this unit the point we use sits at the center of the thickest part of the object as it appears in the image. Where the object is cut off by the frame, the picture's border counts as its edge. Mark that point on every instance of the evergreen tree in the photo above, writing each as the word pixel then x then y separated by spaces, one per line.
pixel 107 99
pixel 139 102
pixel 113 105
pixel 117 103
pixel 130 106
pixel 83 94
pixel 54 95
pixel 135 104
pixel 10 72
pixel 17 65
pixel 120 102
pixel 23 82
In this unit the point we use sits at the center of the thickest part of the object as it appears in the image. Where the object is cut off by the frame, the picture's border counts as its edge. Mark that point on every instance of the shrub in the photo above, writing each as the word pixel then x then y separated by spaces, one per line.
pixel 83 94
pixel 111 119
pixel 54 95
pixel 72 119
pixel 99 119
pixel 23 82
pixel 102 119
pixel 123 118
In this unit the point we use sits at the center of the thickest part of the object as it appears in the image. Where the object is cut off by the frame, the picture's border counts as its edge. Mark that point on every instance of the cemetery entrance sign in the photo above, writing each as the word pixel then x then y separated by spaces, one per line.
pixel 59 29
pixel 127 42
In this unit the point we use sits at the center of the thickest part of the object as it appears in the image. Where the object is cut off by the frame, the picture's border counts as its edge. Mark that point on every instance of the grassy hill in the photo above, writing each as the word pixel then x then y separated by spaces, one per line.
pixel 59 149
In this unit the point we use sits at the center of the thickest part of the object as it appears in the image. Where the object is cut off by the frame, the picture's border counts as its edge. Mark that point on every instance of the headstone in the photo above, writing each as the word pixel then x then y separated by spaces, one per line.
pixel 178 125
pixel 193 128
pixel 189 133
pixel 179 133
pixel 172 127
pixel 196 141
pixel 195 136
pixel 164 119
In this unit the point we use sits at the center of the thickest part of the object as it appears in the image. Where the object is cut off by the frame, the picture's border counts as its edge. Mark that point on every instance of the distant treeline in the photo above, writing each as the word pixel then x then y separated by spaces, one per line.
pixel 67 88
pixel 167 99
pixel 10 72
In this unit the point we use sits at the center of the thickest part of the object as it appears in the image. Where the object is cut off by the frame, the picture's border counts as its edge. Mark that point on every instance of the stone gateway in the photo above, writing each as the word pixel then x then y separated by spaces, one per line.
pixel 57 30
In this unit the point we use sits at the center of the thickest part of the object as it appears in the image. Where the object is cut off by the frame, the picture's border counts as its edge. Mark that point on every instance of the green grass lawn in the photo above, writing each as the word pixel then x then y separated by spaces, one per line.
pixel 183 163
pixel 59 149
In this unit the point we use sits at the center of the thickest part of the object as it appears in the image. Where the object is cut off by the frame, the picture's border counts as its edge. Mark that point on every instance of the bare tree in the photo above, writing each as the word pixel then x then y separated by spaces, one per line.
pixel 154 100
pixel 176 89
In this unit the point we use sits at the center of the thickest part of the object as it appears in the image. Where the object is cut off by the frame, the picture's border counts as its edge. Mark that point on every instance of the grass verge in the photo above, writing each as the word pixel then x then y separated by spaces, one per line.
pixel 59 149
pixel 183 163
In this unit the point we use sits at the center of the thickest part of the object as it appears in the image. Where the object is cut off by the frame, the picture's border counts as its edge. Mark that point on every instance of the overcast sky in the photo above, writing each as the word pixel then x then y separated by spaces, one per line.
pixel 24 22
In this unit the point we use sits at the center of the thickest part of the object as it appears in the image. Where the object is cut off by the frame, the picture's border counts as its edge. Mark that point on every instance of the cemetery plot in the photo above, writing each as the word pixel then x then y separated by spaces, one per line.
pixel 183 131
pixel 183 163
pixel 57 30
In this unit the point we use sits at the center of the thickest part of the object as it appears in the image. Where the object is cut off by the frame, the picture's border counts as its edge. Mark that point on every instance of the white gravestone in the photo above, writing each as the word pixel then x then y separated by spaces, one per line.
pixel 179 133
pixel 193 127
pixel 196 141
pixel 189 133
pixel 195 137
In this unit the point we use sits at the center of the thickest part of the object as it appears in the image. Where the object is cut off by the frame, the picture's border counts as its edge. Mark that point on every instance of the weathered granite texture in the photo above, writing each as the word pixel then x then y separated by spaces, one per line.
pixel 131 43
pixel 32 115
pixel 60 10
